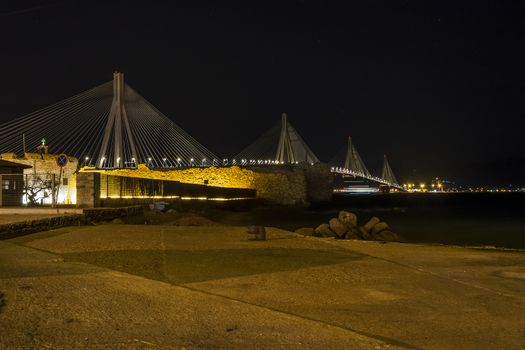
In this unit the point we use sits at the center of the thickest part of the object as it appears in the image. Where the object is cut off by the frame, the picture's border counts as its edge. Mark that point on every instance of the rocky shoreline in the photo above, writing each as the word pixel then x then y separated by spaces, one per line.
pixel 345 226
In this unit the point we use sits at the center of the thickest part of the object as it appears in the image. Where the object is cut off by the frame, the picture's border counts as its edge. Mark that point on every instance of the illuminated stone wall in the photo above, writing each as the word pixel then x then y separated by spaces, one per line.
pixel 88 190
pixel 296 185
pixel 319 181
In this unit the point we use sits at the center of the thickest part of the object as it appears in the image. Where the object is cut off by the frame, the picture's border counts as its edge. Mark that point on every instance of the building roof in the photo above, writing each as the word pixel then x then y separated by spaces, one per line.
pixel 5 163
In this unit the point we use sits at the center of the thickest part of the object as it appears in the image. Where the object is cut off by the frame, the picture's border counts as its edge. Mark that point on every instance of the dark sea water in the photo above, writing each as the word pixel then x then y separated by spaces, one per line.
pixel 473 219
pixel 493 219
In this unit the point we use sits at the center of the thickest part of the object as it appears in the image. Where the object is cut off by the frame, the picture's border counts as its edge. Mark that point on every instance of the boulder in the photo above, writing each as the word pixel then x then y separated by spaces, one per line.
pixel 305 231
pixel 347 218
pixel 380 226
pixel 386 236
pixel 353 234
pixel 338 227
pixel 371 223
pixel 362 233
pixel 323 230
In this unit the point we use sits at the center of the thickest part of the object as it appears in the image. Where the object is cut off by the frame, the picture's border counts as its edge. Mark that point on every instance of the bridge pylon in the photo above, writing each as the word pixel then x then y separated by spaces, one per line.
pixel 285 151
pixel 387 174
pixel 353 160
pixel 281 144
pixel 118 126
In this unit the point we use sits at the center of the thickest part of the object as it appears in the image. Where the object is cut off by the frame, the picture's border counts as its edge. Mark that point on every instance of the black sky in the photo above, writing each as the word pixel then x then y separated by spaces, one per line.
pixel 437 86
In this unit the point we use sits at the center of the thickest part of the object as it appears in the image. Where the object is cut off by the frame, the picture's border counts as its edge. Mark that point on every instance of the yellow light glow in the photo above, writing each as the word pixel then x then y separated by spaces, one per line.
pixel 139 197
pixel 176 197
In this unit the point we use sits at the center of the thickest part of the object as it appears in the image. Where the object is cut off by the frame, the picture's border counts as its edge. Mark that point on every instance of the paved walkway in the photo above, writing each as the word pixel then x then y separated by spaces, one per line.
pixel 125 286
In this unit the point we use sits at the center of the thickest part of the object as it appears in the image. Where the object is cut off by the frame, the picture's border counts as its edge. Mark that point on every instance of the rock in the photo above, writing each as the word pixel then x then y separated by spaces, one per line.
pixel 323 230
pixel 363 234
pixel 353 234
pixel 117 221
pixel 171 211
pixel 305 231
pixel 371 223
pixel 386 236
pixel 338 227
pixel 347 218
pixel 381 226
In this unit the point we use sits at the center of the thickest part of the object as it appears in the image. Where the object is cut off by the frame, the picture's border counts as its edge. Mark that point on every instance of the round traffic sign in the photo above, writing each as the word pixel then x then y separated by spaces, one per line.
pixel 62 160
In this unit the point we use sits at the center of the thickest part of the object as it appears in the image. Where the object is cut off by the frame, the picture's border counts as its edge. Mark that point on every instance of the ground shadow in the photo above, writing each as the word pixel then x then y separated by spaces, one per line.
pixel 180 266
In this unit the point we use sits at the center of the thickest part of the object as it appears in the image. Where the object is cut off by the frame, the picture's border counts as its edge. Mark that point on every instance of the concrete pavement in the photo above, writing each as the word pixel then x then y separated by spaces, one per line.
pixel 138 286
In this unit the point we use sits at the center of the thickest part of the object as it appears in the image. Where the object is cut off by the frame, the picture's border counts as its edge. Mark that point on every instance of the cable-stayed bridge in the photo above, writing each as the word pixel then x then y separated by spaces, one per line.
pixel 113 126
pixel 282 144
pixel 109 126
pixel 354 166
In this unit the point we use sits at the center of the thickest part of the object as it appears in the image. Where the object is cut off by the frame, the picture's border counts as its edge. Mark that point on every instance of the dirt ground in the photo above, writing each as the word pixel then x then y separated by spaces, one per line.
pixel 159 286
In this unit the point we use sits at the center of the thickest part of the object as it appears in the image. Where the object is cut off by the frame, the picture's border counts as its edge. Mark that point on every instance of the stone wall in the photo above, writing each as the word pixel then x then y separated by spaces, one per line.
pixel 88 190
pixel 281 185
pixel 275 184
pixel 319 181
pixel 17 229
pixel 105 214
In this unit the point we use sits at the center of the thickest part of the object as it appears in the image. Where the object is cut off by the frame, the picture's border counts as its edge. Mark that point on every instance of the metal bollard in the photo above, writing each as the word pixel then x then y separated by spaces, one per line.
pixel 258 231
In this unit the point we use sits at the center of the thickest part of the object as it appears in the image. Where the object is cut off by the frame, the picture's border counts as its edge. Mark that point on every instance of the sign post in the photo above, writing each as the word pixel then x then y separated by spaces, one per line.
pixel 61 163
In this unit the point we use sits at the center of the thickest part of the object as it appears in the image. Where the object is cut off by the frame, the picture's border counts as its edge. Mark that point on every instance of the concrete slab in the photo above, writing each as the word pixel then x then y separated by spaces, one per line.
pixel 49 303
pixel 397 295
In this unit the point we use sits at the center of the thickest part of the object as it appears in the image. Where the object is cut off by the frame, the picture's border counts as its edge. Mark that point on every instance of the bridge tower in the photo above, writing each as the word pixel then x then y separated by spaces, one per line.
pixel 118 126
pixel 353 160
pixel 285 152
pixel 281 143
pixel 291 147
pixel 387 174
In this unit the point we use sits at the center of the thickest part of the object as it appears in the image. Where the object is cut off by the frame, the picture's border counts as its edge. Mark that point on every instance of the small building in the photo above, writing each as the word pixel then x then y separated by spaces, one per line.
pixel 41 168
pixel 12 182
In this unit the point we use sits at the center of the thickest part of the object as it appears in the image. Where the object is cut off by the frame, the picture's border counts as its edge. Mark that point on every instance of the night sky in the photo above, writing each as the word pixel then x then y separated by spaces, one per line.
pixel 438 88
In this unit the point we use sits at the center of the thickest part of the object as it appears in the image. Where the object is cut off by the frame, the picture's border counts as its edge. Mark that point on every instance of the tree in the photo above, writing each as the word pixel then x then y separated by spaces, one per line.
pixel 38 187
